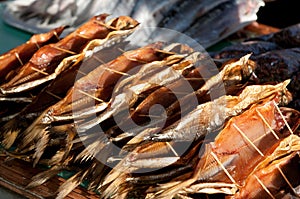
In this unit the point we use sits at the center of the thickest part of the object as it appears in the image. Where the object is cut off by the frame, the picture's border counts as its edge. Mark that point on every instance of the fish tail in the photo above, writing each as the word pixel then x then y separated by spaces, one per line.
pixel 10 131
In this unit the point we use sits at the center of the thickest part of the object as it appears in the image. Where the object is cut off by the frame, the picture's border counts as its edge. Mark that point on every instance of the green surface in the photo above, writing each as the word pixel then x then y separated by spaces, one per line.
pixel 10 37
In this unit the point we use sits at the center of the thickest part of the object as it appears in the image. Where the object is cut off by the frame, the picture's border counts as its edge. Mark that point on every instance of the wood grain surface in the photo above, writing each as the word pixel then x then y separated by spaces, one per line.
pixel 15 175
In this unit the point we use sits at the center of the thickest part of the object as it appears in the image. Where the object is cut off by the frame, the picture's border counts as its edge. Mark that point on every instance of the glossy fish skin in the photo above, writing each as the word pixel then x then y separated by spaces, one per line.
pixel 51 128
pixel 68 71
pixel 147 76
pixel 189 132
pixel 98 82
pixel 236 154
pixel 160 73
pixel 278 172
pixel 160 95
pixel 271 177
pixel 52 55
pixel 134 58
pixel 231 75
pixel 58 88
pixel 224 108
pixel 160 55
pixel 154 159
pixel 16 57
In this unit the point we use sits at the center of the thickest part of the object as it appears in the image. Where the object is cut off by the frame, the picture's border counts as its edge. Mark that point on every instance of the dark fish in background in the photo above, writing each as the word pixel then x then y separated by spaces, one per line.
pixel 286 38
pixel 277 56
pixel 240 49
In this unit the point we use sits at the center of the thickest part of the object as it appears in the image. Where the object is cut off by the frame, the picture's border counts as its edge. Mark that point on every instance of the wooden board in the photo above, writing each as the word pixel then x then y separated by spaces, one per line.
pixel 15 175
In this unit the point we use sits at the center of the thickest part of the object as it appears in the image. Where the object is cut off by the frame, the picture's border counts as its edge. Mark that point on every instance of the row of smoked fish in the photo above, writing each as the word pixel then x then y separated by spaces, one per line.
pixel 154 121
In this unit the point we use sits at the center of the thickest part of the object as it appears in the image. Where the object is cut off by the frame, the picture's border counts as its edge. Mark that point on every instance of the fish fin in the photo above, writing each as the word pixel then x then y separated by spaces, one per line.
pixel 62 154
pixel 69 185
pixel 171 191
pixel 10 132
pixel 42 177
pixel 124 191
pixel 58 157
pixel 41 145
pixel 9 138
pixel 113 189
pixel 32 132
pixel 93 149
pixel 97 175
pixel 117 171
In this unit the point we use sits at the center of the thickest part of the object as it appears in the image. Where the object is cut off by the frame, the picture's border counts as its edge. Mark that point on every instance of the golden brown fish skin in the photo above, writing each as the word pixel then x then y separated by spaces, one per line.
pixel 164 95
pixel 16 57
pixel 223 108
pixel 271 177
pixel 165 72
pixel 232 75
pixel 235 105
pixel 58 88
pixel 47 58
pixel 279 169
pixel 236 151
pixel 101 81
pixel 96 82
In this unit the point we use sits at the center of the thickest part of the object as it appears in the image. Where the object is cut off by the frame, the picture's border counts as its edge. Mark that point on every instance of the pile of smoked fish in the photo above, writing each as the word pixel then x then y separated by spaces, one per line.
pixel 160 120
